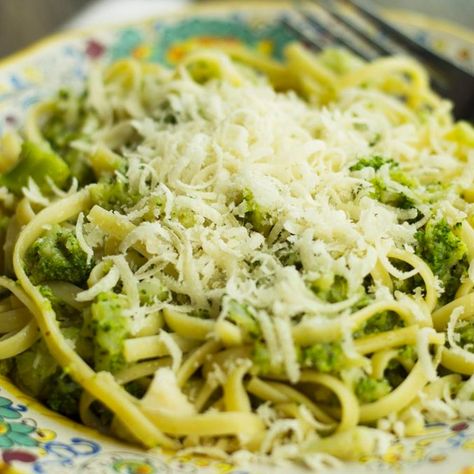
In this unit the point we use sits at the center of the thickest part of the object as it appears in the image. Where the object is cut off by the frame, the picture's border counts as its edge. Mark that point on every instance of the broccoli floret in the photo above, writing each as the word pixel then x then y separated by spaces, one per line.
pixel 156 208
pixel 136 389
pixel 407 356
pixel 289 256
pixel 439 245
pixel 57 255
pixel 4 221
pixel 260 219
pixel 261 358
pixel 79 166
pixel 396 372
pixel 39 163
pixel 369 390
pixel 151 291
pixel 63 395
pixel 381 322
pixel 376 162
pixel 38 373
pixel 201 313
pixel 466 335
pixel 242 316
pixel 113 196
pixel 66 314
pixel 65 125
pixel 110 328
pixel 185 217
pixel 445 253
pixel 380 191
pixel 384 195
pixel 330 288
pixel 33 368
pixel 102 413
pixel 324 357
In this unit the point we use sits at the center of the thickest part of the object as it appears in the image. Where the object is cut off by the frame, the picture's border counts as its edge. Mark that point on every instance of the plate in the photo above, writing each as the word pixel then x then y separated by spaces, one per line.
pixel 36 440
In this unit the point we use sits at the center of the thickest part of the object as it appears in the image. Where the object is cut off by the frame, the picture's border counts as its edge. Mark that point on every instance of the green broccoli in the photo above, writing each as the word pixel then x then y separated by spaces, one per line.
pixel 4 221
pixel 156 208
pixel 241 314
pixel 330 288
pixel 63 395
pixel 65 125
pixel 445 253
pixel 79 166
pixel 376 162
pixel 203 71
pixel 102 413
pixel 407 356
pixel 324 357
pixel 34 368
pixel 369 390
pixel 110 328
pixel 113 196
pixel 135 388
pixel 185 216
pixel 66 314
pixel 261 358
pixel 381 322
pixel 289 256
pixel 201 313
pixel 401 177
pixel 39 163
pixel 385 195
pixel 38 373
pixel 57 255
pixel 466 335
pixel 380 191
pixel 260 219
pixel 151 291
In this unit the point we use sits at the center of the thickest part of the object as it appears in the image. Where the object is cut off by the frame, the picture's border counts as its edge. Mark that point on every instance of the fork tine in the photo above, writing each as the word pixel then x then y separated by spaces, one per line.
pixel 404 40
pixel 356 29
pixel 301 35
pixel 315 23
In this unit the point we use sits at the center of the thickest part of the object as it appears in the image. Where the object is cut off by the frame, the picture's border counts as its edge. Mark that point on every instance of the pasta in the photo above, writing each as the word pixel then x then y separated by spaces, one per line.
pixel 241 254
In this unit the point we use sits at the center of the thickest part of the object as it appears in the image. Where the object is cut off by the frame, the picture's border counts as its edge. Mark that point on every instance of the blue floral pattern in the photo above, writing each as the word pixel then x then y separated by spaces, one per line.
pixel 14 433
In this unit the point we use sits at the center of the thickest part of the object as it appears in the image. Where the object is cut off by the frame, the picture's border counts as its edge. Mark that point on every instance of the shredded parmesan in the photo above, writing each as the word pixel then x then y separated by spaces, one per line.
pixel 80 238
pixel 174 350
pixel 424 356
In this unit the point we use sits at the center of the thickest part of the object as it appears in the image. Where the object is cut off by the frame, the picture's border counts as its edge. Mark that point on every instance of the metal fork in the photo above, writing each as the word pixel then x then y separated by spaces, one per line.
pixel 447 79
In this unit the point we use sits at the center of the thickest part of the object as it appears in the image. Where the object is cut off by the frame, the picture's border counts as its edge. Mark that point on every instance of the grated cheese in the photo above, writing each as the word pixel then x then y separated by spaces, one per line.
pixel 424 356
pixel 80 238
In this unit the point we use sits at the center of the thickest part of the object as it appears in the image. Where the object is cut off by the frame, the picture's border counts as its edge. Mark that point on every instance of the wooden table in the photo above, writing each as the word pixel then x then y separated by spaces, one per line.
pixel 24 21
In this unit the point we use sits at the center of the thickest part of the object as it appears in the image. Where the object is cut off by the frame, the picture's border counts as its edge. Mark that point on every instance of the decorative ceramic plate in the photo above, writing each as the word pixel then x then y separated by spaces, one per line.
pixel 35 440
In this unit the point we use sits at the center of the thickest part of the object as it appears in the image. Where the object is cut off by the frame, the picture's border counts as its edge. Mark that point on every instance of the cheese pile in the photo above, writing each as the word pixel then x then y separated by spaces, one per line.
pixel 205 155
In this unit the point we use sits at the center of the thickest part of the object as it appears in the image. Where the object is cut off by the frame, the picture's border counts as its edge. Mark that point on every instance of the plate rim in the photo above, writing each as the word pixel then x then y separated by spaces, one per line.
pixel 10 61
pixel 416 19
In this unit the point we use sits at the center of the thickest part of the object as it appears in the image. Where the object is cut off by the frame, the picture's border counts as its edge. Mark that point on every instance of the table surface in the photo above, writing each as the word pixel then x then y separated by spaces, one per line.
pixel 25 21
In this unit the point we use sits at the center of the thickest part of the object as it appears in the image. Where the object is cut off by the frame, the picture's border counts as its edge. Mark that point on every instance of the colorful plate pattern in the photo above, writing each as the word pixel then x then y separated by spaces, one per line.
pixel 35 440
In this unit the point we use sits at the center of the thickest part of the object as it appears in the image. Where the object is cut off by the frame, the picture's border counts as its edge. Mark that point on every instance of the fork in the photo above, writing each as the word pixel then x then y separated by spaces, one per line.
pixel 447 79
